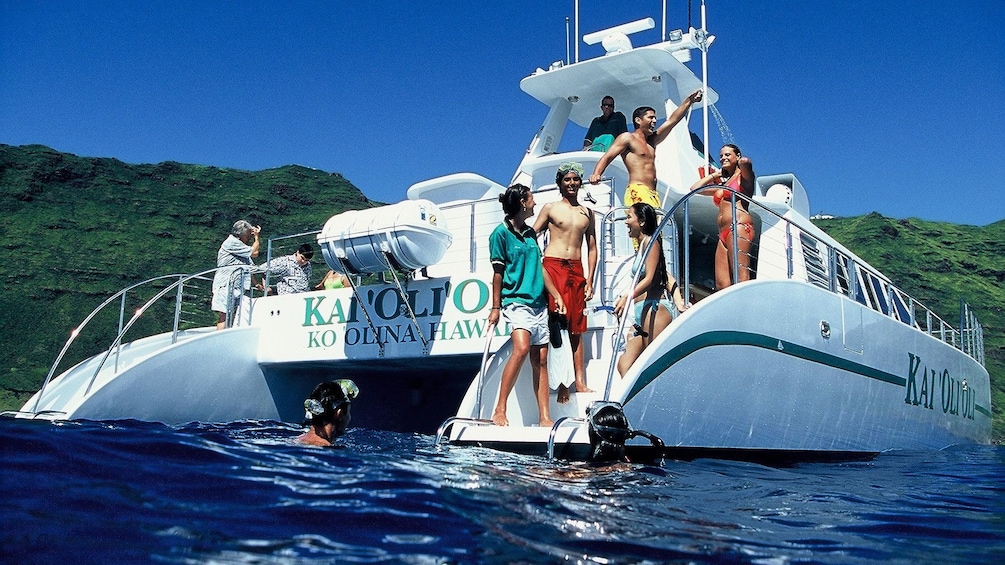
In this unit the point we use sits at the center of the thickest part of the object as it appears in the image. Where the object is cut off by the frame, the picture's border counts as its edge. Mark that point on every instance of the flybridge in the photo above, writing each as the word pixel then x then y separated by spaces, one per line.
pixel 657 72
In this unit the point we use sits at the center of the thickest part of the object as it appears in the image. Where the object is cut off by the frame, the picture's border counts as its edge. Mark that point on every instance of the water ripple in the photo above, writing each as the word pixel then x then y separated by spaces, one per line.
pixel 244 493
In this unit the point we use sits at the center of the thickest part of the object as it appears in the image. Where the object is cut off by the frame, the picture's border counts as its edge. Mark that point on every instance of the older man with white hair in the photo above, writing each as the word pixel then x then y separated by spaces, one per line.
pixel 230 283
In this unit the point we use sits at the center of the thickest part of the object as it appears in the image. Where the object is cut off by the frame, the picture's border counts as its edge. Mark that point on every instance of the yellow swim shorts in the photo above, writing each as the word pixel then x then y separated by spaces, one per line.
pixel 638 192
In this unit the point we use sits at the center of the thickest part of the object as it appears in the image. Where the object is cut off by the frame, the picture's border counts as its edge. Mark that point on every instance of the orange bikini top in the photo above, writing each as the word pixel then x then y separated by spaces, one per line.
pixel 721 194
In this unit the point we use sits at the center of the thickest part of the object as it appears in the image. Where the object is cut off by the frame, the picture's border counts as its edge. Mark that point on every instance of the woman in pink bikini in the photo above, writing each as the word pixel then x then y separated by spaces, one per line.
pixel 737 173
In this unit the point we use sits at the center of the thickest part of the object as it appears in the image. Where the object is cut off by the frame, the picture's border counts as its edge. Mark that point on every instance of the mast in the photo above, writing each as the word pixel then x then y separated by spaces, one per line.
pixel 663 35
pixel 576 16
pixel 704 86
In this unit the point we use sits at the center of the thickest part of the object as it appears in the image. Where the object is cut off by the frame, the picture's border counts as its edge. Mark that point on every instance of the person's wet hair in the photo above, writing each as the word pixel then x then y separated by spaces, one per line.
pixel 608 431
pixel 641 111
pixel 647 217
pixel 324 401
pixel 512 200
pixel 735 149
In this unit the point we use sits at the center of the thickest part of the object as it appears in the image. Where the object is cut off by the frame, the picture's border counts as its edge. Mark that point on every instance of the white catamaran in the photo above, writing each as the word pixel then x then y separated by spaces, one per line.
pixel 819 355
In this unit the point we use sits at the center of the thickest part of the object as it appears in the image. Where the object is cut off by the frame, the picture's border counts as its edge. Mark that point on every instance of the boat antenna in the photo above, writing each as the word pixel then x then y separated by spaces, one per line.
pixel 567 60
pixel 664 36
pixel 577 30
pixel 703 44
pixel 689 14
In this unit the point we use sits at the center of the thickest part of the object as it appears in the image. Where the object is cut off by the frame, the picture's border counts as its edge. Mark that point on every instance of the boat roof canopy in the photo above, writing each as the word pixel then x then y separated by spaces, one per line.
pixel 631 77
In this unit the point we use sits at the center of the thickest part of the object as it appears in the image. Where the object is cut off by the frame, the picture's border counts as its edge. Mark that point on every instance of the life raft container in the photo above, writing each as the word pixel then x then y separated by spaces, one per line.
pixel 409 235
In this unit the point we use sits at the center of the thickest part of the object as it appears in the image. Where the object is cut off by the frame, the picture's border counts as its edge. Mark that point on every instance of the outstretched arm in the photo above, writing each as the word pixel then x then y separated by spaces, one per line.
pixel 497 271
pixel 541 221
pixel 617 148
pixel 672 120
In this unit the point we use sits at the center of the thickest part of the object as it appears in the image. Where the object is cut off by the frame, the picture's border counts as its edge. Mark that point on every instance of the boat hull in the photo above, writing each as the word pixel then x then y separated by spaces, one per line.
pixel 772 371
pixel 773 379
pixel 210 376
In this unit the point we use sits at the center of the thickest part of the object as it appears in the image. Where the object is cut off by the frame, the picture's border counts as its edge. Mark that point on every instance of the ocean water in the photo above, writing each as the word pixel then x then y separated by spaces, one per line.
pixel 134 492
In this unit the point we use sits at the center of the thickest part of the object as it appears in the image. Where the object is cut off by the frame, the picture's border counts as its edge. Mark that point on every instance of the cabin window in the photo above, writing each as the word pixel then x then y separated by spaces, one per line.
pixel 860 288
pixel 844 281
pixel 879 294
pixel 816 270
pixel 900 306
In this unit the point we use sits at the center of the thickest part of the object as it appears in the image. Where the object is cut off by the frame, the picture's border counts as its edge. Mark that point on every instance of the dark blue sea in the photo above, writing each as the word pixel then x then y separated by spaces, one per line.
pixel 133 492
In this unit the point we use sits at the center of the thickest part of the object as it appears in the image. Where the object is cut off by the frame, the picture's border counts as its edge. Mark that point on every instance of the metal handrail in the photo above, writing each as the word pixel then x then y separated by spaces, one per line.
pixel 123 328
pixel 76 331
pixel 970 336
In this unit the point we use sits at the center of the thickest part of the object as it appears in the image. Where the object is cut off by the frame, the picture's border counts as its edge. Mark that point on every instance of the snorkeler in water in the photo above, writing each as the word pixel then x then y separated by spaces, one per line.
pixel 328 412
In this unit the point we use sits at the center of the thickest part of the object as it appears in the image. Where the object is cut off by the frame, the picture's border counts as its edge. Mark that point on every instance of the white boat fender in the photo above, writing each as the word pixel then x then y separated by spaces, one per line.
pixel 608 429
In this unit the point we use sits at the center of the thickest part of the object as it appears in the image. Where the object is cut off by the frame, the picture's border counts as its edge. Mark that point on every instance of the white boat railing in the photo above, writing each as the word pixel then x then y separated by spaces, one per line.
pixel 783 250
pixel 184 298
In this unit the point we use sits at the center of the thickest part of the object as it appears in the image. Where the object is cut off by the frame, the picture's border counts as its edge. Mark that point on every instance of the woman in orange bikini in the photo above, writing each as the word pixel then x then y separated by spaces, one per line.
pixel 737 173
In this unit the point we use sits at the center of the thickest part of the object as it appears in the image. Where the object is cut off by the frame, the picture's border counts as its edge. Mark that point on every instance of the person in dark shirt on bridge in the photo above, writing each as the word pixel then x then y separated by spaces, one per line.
pixel 606 127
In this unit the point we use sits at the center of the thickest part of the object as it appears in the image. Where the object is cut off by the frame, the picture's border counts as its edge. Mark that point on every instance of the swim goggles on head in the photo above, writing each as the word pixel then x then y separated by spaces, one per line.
pixel 315 407
pixel 572 166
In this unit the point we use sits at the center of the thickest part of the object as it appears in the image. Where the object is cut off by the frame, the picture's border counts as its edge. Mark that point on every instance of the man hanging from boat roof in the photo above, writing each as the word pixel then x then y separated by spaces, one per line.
pixel 569 223
pixel 638 150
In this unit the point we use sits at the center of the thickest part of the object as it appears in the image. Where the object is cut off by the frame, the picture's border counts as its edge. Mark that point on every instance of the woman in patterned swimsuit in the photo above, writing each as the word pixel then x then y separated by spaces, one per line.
pixel 653 313
pixel 737 173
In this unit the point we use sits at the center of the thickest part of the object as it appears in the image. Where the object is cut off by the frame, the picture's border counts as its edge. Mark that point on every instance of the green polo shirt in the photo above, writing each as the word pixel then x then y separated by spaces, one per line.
pixel 520 256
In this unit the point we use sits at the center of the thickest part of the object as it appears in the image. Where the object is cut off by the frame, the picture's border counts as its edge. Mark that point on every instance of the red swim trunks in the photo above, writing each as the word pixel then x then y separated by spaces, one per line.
pixel 568 277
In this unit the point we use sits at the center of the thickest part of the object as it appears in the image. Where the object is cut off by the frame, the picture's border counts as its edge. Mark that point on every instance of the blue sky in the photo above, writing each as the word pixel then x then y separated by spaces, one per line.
pixel 891 106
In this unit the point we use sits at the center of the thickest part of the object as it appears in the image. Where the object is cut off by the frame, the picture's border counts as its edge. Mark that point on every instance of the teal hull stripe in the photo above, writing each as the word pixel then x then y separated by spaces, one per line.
pixel 712 339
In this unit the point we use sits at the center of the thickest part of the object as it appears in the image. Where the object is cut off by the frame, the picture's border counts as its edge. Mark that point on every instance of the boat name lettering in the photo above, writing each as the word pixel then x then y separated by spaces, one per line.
pixel 923 382
pixel 482 296
pixel 404 333
pixel 464 329
pixel 468 297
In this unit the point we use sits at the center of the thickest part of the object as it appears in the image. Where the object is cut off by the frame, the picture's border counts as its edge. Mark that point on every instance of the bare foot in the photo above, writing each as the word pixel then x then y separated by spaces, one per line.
pixel 545 423
pixel 581 386
pixel 500 419
pixel 563 394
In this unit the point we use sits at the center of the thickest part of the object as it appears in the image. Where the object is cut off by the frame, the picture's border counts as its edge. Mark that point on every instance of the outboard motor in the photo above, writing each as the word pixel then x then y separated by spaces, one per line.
pixel 609 430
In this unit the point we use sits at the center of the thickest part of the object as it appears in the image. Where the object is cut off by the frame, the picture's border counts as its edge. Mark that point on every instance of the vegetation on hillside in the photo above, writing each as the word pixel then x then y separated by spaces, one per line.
pixel 939 264
pixel 76 230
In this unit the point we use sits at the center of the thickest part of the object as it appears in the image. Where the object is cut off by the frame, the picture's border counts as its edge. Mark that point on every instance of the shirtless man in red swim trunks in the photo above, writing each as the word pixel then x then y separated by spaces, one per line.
pixel 569 223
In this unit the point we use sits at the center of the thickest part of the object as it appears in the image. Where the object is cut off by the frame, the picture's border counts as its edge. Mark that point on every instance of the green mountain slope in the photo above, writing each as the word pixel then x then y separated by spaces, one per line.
pixel 76 230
